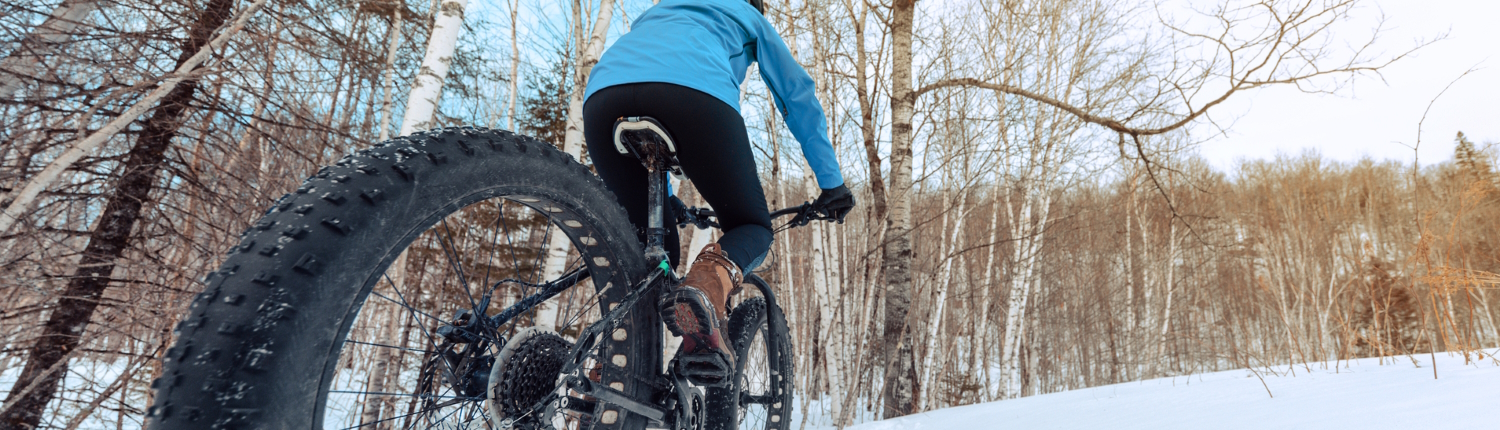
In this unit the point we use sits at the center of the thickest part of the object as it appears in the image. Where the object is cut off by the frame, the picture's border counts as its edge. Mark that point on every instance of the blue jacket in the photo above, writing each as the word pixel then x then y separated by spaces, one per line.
pixel 707 45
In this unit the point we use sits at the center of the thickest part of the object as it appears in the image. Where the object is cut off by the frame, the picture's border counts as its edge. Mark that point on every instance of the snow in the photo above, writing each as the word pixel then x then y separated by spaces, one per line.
pixel 1363 394
pixel 1360 394
pixel 78 391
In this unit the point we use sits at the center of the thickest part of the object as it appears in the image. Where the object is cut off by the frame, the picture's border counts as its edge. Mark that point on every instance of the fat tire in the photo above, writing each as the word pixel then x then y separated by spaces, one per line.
pixel 260 346
pixel 723 403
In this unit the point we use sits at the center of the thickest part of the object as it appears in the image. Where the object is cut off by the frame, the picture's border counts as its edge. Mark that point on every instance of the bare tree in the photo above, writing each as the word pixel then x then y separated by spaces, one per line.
pixel 61 334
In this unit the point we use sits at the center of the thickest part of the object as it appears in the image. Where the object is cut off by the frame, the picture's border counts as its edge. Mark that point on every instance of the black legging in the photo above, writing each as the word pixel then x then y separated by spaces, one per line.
pixel 714 149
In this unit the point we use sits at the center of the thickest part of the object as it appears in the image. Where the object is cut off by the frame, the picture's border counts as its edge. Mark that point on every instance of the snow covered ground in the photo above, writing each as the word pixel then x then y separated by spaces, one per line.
pixel 1360 394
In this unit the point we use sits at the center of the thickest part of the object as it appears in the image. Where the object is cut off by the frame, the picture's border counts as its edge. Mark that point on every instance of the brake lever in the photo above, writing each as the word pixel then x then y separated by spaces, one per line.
pixel 697 217
pixel 701 219
pixel 806 215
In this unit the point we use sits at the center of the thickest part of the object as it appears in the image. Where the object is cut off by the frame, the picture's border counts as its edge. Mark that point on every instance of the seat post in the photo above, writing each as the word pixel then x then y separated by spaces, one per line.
pixel 657 205
pixel 646 140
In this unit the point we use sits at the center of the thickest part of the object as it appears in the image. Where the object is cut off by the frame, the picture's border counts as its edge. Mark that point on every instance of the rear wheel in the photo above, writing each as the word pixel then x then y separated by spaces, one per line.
pixel 314 322
pixel 759 396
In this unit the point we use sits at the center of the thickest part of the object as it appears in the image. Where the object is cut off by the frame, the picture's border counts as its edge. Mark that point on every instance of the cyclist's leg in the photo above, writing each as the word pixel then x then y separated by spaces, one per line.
pixel 715 152
pixel 713 146
pixel 622 174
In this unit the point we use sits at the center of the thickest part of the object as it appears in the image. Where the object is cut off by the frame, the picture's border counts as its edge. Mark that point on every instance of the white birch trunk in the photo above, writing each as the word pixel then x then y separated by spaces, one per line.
pixel 427 89
pixel 26 60
pixel 827 298
pixel 825 278
pixel 1147 284
pixel 981 331
pixel 1130 260
pixel 515 68
pixel 1029 236
pixel 1166 313
pixel 388 82
pixel 940 302
pixel 557 249
pixel 900 375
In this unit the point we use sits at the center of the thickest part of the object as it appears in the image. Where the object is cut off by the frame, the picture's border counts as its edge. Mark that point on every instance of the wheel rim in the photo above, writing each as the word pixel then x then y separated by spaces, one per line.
pixel 479 259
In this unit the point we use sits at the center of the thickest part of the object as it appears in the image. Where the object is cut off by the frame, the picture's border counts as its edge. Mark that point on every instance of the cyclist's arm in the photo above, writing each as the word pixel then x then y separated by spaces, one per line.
pixel 797 100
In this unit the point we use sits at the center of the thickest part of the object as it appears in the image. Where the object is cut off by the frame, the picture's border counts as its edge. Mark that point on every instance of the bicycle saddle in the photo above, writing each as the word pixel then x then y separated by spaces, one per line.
pixel 646 139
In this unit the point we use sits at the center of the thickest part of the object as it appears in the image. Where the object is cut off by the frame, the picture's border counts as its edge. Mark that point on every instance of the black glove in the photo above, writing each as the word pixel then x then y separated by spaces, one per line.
pixel 834 203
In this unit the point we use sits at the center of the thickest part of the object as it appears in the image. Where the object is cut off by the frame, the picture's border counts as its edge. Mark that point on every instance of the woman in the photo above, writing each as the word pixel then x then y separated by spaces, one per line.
pixel 682 63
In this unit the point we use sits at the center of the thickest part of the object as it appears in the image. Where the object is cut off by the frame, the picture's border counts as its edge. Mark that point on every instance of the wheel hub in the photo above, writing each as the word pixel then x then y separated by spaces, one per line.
pixel 465 343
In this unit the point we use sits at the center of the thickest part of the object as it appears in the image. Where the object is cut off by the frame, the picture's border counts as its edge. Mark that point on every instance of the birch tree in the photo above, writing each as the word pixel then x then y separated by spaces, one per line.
pixel 427 89
pixel 900 363
pixel 585 58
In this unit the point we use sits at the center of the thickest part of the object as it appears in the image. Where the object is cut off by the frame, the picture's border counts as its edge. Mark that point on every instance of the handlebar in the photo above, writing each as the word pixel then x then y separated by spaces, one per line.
pixel 703 218
pixel 794 210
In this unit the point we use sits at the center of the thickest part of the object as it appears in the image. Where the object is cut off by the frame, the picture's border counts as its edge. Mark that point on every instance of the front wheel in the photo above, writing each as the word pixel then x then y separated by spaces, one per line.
pixel 759 396
pixel 314 322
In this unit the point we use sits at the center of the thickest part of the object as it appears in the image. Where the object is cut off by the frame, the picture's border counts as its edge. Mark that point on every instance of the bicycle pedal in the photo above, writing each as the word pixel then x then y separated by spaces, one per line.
pixel 704 369
pixel 583 406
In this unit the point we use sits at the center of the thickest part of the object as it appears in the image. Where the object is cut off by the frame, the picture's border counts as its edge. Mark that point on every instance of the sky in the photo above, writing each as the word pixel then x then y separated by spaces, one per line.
pixel 1375 118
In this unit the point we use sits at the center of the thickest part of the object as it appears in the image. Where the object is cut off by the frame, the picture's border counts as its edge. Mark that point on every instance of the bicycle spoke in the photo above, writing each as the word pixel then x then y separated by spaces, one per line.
pixel 440 420
pixel 510 245
pixel 592 302
pixel 446 242
pixel 414 311
pixel 381 345
pixel 542 252
pixel 431 389
pixel 372 423
pixel 404 305
pixel 489 262
pixel 420 396
pixel 567 297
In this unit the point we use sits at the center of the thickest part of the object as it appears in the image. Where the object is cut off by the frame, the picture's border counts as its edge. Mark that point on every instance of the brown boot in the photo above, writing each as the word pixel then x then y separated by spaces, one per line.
pixel 696 311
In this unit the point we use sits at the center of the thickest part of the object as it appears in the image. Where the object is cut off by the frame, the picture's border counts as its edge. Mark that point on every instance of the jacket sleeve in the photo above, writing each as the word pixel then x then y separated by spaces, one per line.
pixel 797 100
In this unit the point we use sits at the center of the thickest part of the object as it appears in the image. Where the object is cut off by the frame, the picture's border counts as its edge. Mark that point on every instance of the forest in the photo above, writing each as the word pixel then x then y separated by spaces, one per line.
pixel 1033 215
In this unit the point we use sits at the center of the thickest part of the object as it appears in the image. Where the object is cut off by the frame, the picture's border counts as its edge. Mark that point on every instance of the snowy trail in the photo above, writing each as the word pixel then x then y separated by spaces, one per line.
pixel 1361 394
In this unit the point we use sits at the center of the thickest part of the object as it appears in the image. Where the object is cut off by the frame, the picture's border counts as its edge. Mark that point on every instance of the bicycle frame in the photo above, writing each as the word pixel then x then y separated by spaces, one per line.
pixel 655 152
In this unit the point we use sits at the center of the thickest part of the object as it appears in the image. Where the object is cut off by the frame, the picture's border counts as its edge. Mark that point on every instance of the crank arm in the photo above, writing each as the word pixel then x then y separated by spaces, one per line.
pixel 610 395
